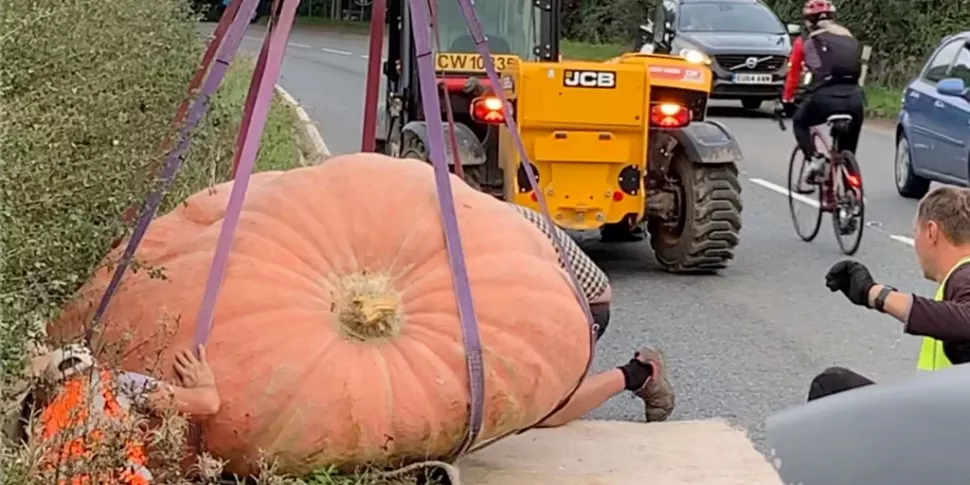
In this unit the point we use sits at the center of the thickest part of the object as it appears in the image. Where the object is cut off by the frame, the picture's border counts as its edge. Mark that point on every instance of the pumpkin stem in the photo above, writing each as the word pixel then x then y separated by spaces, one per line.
pixel 368 307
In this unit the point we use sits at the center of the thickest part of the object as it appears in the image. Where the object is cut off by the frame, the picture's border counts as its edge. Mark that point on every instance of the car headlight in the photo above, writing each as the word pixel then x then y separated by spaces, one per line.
pixel 694 56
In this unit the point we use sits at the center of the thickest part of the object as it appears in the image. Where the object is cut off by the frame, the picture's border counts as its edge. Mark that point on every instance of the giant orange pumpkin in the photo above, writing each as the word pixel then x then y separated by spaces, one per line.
pixel 336 338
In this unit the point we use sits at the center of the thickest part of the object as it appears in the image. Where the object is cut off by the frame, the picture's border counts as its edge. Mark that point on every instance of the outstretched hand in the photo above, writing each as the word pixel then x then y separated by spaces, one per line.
pixel 780 108
pixel 852 279
pixel 192 371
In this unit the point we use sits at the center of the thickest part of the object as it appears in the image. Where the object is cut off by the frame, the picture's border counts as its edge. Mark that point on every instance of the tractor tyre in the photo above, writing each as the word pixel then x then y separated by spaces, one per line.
pixel 414 148
pixel 709 225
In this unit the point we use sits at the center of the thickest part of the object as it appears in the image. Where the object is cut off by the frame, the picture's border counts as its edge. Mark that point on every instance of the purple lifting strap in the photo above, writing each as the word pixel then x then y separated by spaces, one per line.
pixel 255 110
pixel 173 161
pixel 475 29
pixel 254 121
pixel 253 88
pixel 420 22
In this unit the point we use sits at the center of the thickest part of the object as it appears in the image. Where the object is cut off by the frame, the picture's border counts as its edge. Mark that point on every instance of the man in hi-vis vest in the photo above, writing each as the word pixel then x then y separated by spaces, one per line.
pixel 941 235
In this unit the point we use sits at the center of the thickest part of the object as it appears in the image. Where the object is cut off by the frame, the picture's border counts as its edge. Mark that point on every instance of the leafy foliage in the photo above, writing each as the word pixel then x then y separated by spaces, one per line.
pixel 87 92
pixel 604 21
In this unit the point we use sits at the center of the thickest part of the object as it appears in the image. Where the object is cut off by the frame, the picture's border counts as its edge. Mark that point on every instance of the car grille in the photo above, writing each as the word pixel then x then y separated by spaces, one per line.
pixel 728 61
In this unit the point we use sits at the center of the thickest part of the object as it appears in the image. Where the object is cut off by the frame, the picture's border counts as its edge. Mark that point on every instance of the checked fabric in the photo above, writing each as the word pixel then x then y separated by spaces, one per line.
pixel 591 278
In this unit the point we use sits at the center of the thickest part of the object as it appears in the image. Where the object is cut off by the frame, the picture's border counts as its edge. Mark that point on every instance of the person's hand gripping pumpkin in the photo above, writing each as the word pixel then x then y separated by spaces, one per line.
pixel 194 372
pixel 197 394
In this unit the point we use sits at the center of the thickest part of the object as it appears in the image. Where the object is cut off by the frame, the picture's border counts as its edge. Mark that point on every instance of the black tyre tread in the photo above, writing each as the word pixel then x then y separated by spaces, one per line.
pixel 917 189
pixel 716 229
pixel 792 161
pixel 853 166
pixel 914 188
pixel 413 145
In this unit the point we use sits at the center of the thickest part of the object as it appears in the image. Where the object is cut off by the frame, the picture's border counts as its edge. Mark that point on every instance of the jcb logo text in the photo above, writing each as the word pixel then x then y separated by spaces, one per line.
pixel 589 79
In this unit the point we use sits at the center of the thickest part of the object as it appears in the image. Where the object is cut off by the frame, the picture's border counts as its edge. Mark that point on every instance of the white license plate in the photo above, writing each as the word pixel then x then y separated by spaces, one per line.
pixel 752 78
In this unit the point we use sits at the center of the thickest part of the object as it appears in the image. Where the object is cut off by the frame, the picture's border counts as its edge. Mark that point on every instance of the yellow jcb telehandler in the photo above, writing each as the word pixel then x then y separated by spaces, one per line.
pixel 620 146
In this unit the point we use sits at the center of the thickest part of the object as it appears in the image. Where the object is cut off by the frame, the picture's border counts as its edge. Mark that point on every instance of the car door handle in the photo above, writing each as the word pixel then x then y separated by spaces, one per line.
pixel 939 104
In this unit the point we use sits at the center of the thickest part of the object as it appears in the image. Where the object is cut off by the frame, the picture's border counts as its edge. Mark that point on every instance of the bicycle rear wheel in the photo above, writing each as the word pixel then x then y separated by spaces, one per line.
pixel 849 216
pixel 804 203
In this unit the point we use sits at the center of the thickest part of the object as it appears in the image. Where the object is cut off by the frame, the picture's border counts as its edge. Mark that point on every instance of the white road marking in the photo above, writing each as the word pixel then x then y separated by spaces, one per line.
pixel 335 51
pixel 902 239
pixel 307 46
pixel 814 203
pixel 783 191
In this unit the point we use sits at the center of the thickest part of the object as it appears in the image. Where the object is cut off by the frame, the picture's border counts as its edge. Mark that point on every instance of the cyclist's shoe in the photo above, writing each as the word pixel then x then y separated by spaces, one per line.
pixel 811 174
pixel 657 394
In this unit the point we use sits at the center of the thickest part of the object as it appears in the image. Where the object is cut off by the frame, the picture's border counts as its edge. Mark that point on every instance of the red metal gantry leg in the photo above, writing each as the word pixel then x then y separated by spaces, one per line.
pixel 374 55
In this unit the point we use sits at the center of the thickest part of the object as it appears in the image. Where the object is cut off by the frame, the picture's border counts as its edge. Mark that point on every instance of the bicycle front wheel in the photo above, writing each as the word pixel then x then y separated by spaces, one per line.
pixel 804 201
pixel 849 216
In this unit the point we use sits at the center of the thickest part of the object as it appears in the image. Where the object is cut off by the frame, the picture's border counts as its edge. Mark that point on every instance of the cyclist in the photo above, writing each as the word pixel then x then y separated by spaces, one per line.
pixel 833 56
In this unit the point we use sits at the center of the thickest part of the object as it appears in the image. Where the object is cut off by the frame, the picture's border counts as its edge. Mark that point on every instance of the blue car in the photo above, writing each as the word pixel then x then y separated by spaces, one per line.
pixel 933 129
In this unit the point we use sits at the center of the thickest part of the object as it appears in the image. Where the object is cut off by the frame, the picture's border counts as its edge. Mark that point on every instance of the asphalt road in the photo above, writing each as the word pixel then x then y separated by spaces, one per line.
pixel 741 344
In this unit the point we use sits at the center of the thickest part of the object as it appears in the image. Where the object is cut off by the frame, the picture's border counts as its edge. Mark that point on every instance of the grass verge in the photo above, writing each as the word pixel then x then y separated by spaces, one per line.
pixel 883 102
pixel 279 147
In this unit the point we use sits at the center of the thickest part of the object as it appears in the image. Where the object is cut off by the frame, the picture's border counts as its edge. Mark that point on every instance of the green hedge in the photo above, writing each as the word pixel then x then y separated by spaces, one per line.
pixel 87 92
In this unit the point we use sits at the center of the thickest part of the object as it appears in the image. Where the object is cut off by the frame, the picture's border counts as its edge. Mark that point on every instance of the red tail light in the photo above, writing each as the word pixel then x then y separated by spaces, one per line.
pixel 488 109
pixel 854 180
pixel 669 115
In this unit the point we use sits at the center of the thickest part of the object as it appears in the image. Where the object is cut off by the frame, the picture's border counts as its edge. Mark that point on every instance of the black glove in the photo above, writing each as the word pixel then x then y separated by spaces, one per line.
pixel 782 109
pixel 852 279
pixel 635 374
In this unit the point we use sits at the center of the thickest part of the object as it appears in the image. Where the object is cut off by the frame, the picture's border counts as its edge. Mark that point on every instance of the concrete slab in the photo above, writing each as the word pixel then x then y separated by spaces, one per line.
pixel 709 452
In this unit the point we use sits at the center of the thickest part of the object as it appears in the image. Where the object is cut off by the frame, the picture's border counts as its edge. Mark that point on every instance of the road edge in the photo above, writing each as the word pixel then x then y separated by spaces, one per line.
pixel 307 131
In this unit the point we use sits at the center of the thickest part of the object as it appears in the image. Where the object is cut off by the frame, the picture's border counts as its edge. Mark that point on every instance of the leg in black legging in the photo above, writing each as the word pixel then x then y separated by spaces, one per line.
pixel 835 380
pixel 813 111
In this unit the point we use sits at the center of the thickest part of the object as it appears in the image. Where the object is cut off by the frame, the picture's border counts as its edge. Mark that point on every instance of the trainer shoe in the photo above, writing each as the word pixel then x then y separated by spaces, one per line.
pixel 657 394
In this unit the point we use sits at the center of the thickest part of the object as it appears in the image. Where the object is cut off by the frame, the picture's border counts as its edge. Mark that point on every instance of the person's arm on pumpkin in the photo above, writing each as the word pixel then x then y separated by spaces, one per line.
pixel 197 395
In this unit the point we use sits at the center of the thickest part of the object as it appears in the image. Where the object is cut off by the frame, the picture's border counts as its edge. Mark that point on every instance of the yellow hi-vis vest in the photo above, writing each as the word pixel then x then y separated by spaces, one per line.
pixel 931 354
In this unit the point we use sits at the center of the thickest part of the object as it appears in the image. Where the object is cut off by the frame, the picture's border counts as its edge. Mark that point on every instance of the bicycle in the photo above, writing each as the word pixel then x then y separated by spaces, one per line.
pixel 839 190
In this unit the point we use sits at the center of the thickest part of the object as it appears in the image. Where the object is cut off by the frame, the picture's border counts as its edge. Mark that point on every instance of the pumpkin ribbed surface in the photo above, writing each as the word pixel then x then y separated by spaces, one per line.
pixel 336 337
